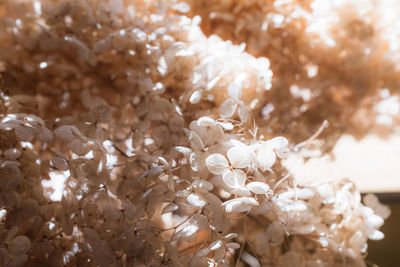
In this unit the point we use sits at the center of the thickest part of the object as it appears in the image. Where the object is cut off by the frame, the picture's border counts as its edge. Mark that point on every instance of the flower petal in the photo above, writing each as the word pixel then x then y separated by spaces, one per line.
pixel 258 187
pixel 234 178
pixel 243 112
pixel 235 90
pixel 266 157
pixel 217 164
pixel 228 108
pixel 196 97
pixel 239 157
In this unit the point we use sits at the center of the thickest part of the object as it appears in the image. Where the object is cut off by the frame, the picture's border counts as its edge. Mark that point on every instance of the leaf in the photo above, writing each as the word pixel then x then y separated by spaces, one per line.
pixel 239 157
pixel 258 187
pixel 217 164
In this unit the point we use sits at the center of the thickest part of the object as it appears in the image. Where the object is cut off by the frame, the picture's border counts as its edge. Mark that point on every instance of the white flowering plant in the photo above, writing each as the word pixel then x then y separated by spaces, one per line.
pixel 156 131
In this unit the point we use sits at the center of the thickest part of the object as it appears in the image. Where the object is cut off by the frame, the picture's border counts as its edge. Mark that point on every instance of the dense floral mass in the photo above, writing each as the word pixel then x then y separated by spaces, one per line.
pixel 166 124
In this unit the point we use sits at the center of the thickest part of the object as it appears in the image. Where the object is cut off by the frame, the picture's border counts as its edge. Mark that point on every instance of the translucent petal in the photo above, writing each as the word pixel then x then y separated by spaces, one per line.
pixel 197 161
pixel 258 187
pixel 235 90
pixel 195 141
pixel 203 184
pixel 234 178
pixel 278 142
pixel 239 157
pixel 243 112
pixel 228 108
pixel 266 157
pixel 217 164
pixel 241 192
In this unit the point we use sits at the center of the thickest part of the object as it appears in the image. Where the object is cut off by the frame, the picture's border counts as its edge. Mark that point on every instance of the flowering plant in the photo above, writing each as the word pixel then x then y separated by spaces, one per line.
pixel 131 136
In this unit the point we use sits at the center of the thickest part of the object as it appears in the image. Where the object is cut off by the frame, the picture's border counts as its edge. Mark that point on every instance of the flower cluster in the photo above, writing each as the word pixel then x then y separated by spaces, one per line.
pixel 128 137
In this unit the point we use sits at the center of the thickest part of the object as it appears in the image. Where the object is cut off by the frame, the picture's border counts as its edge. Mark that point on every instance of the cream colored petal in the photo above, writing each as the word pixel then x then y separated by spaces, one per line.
pixel 217 164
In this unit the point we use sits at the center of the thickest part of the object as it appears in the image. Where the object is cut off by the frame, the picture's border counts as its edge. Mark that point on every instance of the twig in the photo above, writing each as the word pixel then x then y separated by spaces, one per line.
pixel 313 137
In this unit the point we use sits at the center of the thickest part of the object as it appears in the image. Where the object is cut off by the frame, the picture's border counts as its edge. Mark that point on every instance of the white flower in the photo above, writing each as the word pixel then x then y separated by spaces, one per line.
pixel 265 152
pixel 241 204
pixel 208 130
pixel 229 106
pixel 205 133
pixel 232 176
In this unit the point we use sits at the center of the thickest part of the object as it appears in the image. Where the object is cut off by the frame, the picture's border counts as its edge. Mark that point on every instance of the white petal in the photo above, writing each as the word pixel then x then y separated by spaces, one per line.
pixel 376 235
pixel 197 161
pixel 228 108
pixel 196 97
pixel 242 200
pixel 243 112
pixel 195 141
pixel 258 187
pixel 305 193
pixel 266 157
pixel 297 206
pixel 241 192
pixel 234 178
pixel 217 164
pixel 226 125
pixel 278 142
pixel 203 184
pixel 212 83
pixel 237 207
pixel 183 150
pixel 215 245
pixel 283 153
pixel 196 201
pixel 235 90
pixel 239 156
